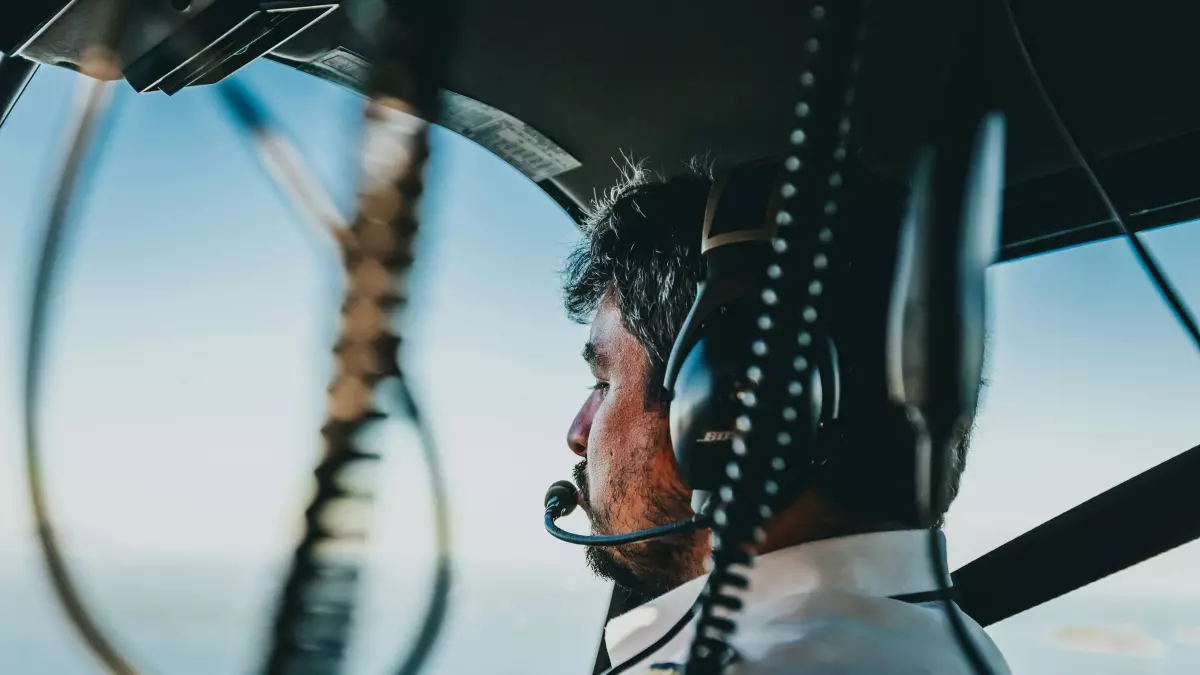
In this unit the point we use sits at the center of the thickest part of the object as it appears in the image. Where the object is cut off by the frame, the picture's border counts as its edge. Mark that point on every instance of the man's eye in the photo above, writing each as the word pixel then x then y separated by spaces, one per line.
pixel 599 386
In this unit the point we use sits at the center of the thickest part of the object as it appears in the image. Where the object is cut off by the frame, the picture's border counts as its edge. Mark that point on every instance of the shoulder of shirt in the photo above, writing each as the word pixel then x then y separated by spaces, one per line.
pixel 846 646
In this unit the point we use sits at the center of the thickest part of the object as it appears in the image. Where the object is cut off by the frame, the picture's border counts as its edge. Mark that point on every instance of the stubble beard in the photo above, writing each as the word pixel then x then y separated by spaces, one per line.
pixel 644 570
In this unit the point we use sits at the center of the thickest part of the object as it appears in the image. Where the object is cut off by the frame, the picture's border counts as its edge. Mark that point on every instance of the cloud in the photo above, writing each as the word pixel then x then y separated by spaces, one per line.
pixel 1116 640
pixel 1187 635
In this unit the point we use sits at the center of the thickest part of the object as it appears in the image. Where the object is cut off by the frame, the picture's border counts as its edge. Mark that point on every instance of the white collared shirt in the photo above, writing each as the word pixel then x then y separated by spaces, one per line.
pixel 820 608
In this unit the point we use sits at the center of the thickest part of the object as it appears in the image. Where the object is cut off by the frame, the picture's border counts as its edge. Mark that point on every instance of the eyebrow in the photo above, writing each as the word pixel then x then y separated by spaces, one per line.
pixel 592 355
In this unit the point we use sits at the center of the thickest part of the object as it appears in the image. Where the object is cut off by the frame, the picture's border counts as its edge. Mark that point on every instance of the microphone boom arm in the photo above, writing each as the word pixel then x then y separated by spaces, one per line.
pixel 562 497
pixel 696 522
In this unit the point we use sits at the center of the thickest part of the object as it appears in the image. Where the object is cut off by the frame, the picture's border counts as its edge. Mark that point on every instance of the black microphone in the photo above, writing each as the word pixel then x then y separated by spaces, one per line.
pixel 562 497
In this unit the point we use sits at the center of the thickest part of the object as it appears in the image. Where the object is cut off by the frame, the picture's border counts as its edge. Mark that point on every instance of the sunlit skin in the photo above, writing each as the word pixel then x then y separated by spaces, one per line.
pixel 630 480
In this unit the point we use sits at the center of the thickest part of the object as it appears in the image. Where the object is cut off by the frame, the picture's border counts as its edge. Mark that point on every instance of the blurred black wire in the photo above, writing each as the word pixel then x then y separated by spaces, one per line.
pixel 88 132
pixel 1161 283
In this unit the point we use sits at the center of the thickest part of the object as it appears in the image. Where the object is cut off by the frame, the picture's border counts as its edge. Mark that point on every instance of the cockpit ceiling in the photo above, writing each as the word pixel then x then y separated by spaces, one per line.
pixel 672 78
pixel 669 79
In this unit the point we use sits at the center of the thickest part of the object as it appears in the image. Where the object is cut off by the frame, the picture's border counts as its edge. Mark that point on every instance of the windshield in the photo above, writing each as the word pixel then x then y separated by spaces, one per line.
pixel 190 352
pixel 189 358
pixel 1090 381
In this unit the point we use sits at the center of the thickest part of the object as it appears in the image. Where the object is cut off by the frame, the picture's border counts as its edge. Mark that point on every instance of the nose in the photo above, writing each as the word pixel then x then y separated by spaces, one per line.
pixel 581 427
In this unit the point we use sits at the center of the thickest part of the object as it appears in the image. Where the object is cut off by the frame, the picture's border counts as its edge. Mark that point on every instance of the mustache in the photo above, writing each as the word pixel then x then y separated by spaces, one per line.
pixel 579 473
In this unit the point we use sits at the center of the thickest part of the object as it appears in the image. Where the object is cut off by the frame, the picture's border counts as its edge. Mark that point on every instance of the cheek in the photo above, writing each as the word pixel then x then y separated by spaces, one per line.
pixel 628 453
pixel 605 447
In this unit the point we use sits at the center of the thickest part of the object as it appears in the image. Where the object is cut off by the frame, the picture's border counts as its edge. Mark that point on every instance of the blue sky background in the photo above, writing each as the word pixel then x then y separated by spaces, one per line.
pixel 189 356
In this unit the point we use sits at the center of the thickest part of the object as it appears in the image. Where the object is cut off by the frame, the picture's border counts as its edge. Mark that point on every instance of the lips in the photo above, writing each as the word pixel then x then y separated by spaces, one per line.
pixel 581 497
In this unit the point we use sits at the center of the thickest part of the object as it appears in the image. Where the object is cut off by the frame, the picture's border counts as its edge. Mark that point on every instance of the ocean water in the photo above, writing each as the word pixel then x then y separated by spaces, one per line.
pixel 195 618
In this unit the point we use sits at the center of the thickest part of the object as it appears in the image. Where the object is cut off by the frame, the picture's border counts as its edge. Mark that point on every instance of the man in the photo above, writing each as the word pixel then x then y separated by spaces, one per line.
pixel 842 580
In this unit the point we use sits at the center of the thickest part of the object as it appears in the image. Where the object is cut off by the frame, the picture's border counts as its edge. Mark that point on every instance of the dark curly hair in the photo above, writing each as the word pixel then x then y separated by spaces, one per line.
pixel 642 244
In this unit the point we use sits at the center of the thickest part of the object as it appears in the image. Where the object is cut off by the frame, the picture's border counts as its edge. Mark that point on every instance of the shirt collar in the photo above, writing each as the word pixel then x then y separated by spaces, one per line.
pixel 876 564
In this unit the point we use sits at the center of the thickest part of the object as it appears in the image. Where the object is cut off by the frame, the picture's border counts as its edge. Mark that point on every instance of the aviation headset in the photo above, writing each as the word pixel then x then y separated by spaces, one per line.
pixel 706 378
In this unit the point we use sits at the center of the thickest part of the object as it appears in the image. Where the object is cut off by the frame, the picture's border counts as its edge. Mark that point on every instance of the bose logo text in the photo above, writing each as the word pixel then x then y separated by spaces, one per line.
pixel 716 436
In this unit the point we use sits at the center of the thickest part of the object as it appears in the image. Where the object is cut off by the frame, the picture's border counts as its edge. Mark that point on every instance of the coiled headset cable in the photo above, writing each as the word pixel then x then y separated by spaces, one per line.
pixel 785 342
pixel 312 626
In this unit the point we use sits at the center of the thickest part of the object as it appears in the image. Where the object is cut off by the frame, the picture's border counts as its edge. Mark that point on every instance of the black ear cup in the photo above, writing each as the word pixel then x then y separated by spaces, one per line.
pixel 707 403
pixel 703 411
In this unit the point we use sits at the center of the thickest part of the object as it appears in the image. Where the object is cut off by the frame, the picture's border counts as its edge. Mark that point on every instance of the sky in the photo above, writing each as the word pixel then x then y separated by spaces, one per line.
pixel 189 354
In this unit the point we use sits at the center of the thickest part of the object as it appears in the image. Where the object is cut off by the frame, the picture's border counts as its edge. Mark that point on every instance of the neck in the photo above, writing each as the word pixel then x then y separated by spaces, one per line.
pixel 813 517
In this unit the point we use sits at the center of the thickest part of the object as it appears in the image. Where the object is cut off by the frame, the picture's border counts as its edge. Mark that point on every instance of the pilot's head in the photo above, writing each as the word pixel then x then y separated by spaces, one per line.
pixel 634 277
